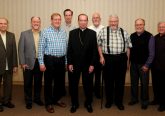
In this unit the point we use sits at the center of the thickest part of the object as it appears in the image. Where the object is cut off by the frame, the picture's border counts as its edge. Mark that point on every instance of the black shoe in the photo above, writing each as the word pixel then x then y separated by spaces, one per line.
pixel 144 107
pixel 73 108
pixel 154 102
pixel 161 108
pixel 120 107
pixel 39 102
pixel 1 108
pixel 9 105
pixel 28 106
pixel 108 105
pixel 49 108
pixel 132 103
pixel 89 108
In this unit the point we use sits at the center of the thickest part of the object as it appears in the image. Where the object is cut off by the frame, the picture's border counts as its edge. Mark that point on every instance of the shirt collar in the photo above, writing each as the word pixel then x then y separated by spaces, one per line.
pixel 68 25
pixel 3 34
pixel 118 29
pixel 55 28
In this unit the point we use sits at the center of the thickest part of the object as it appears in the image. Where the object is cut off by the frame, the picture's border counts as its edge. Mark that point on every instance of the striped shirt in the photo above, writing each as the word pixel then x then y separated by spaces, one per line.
pixel 52 42
pixel 116 43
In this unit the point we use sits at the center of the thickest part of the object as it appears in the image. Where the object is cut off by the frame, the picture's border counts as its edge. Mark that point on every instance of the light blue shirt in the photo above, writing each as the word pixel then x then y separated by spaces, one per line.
pixel 52 42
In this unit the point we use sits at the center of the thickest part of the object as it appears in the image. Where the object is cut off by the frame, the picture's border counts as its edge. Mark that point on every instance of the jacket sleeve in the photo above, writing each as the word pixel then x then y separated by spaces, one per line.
pixel 69 50
pixel 21 47
pixel 94 49
pixel 15 60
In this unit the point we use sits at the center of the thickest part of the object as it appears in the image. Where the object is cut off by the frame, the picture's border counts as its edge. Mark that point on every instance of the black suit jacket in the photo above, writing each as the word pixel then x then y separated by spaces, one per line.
pixel 10 53
pixel 82 55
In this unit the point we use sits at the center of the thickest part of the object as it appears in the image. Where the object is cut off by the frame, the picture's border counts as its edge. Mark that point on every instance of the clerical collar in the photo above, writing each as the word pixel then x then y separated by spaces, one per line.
pixel 83 29
pixel 140 33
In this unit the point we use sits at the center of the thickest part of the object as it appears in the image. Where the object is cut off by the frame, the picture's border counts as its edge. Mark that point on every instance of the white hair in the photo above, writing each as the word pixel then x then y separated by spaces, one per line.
pixel 114 16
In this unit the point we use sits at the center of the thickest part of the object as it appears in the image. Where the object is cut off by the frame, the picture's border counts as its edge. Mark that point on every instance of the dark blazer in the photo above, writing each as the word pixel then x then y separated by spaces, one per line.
pixel 10 52
pixel 82 56
pixel 26 49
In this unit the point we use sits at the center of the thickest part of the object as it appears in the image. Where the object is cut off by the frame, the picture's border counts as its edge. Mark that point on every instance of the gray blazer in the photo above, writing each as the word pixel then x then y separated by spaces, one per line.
pixel 26 49
pixel 10 53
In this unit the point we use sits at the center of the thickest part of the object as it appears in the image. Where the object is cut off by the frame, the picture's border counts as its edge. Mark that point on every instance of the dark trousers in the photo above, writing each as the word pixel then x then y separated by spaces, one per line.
pixel 7 86
pixel 30 75
pixel 97 80
pixel 155 84
pixel 114 72
pixel 54 78
pixel 137 73
pixel 159 85
pixel 87 81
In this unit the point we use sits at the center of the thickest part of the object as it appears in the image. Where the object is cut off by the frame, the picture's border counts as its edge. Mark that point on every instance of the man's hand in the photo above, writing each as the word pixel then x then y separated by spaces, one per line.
pixel 145 68
pixel 42 67
pixel 15 69
pixel 102 60
pixel 91 69
pixel 24 66
pixel 70 68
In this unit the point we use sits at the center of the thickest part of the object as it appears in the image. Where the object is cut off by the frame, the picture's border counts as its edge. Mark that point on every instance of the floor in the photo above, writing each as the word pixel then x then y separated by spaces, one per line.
pixel 136 110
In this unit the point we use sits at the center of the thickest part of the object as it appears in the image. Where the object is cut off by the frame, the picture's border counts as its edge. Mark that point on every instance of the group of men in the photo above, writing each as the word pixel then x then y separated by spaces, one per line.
pixel 87 51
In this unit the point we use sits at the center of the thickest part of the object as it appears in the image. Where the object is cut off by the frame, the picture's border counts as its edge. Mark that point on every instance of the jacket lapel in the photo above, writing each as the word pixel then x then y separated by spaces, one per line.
pixel 8 39
pixel 1 41
pixel 31 37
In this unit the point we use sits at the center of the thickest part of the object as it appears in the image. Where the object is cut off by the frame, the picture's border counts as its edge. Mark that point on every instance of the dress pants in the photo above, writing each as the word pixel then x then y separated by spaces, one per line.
pixel 97 80
pixel 155 84
pixel 30 75
pixel 53 79
pixel 160 76
pixel 114 72
pixel 7 86
pixel 136 73
pixel 87 81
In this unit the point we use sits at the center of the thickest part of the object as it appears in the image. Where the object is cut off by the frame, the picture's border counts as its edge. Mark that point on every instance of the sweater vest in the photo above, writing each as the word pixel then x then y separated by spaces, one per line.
pixel 140 51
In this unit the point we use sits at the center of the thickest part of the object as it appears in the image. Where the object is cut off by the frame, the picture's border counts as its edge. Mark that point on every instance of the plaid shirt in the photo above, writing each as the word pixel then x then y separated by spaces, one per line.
pixel 116 43
pixel 52 42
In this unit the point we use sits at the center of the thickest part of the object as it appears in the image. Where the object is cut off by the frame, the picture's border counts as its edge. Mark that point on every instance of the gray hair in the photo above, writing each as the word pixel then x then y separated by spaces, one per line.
pixel 4 19
pixel 160 22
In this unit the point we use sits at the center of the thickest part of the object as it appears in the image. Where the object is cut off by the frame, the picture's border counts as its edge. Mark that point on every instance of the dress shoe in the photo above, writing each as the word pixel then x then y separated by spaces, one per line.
pixel 50 109
pixel 120 107
pixel 161 108
pixel 73 108
pixel 153 102
pixel 132 103
pixel 9 105
pixel 28 106
pixel 1 108
pixel 61 104
pixel 39 102
pixel 108 105
pixel 89 108
pixel 144 107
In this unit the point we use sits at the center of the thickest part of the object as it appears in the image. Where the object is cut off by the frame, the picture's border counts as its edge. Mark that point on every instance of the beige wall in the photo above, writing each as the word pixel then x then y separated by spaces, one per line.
pixel 19 13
